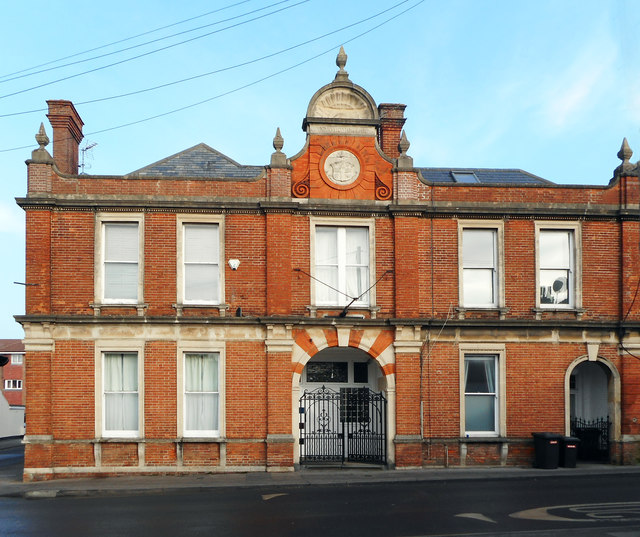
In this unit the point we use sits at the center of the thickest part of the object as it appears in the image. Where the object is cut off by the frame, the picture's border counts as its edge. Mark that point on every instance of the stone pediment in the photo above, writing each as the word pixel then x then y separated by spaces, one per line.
pixel 340 102
pixel 342 107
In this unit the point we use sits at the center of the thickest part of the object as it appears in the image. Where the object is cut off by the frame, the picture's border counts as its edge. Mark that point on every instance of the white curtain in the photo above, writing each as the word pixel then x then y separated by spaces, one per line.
pixel 121 392
pixel 357 261
pixel 326 265
pixel 201 392
pixel 342 264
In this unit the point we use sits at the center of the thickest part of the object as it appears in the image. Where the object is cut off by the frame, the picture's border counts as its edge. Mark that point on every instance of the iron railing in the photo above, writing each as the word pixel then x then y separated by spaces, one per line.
pixel 348 424
pixel 594 438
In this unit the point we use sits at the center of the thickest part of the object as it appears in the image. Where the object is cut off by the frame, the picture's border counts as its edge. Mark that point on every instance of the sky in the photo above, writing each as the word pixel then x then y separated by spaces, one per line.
pixel 548 86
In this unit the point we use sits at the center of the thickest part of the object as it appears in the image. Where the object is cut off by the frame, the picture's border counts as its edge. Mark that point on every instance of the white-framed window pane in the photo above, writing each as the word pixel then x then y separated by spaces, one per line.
pixel 480 393
pixel 201 263
pixel 480 374
pixel 342 265
pixel 480 413
pixel 13 384
pixel 201 283
pixel 121 411
pixel 357 281
pixel 120 391
pixel 478 285
pixel 201 372
pixel 326 285
pixel 121 250
pixel 478 248
pixel 201 412
pixel 121 242
pixel 121 281
pixel 326 246
pixel 201 243
pixel 16 359
pixel 555 249
pixel 357 246
pixel 555 286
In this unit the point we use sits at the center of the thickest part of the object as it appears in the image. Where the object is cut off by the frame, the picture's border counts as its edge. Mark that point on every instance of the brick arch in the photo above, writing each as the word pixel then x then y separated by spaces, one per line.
pixel 376 343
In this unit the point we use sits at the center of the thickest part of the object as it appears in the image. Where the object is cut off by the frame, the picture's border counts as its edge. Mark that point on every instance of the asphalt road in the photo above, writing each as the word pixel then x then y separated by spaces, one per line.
pixel 581 505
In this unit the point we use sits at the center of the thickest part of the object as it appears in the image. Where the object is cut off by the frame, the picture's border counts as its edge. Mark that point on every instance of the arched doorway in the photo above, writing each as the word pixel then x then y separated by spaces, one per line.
pixel 592 407
pixel 342 408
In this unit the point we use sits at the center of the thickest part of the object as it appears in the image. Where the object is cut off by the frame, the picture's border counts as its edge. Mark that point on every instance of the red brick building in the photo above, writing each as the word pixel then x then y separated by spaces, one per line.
pixel 341 304
pixel 12 371
pixel 12 389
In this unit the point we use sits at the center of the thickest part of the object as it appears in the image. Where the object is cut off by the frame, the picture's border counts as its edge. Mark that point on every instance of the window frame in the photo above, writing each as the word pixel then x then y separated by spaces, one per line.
pixel 8 384
pixel 117 347
pixel 498 352
pixel 181 222
pixel 102 221
pixel 366 223
pixel 575 261
pixel 497 227
pixel 196 347
pixel 17 359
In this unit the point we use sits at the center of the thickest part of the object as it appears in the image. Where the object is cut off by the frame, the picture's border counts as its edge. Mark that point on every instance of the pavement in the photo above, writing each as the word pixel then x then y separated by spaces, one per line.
pixel 11 485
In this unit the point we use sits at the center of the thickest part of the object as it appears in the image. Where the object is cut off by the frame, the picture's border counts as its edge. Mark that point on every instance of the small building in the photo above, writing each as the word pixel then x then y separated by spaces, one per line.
pixel 340 305
pixel 12 394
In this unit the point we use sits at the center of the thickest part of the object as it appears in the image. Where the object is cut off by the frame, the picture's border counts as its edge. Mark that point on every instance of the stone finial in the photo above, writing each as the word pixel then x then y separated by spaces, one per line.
pixel 405 162
pixel 404 144
pixel 278 140
pixel 626 168
pixel 341 61
pixel 41 137
pixel 278 158
pixel 41 155
pixel 625 152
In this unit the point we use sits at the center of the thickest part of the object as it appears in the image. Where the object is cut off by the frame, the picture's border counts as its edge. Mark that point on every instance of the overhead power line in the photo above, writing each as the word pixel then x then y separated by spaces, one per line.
pixel 235 90
pixel 222 69
pixel 123 40
pixel 155 50
pixel 112 53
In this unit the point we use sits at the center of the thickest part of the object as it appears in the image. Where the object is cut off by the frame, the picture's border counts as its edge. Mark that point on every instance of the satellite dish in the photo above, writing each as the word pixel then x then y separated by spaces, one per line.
pixel 559 285
pixel 4 360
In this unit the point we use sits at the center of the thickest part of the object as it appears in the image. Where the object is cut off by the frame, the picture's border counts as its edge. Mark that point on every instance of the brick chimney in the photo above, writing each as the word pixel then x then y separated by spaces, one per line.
pixel 391 122
pixel 67 135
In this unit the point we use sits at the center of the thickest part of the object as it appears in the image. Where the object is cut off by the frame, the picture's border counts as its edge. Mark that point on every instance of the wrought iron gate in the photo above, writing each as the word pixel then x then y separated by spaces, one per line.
pixel 345 425
pixel 594 438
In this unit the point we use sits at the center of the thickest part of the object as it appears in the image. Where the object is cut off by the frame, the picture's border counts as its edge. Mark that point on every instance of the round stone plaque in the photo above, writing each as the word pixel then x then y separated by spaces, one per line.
pixel 342 167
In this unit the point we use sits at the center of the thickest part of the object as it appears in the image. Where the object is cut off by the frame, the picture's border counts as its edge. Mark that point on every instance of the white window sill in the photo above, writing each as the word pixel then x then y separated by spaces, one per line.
pixel 501 310
pixel 222 308
pixel 202 439
pixel 480 436
pixel 99 306
pixel 116 438
pixel 579 312
pixel 352 311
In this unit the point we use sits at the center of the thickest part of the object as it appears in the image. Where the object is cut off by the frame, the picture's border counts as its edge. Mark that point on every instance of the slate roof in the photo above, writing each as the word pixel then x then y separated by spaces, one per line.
pixel 485 176
pixel 199 161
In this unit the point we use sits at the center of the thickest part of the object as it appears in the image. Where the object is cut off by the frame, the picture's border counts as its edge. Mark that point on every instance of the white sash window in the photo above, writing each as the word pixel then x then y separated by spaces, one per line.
pixel 342 265
pixel 201 264
pixel 121 262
